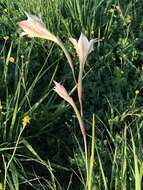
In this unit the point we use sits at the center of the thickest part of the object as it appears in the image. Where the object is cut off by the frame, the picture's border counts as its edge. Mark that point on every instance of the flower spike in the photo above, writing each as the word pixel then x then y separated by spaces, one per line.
pixel 61 91
pixel 83 47
pixel 34 27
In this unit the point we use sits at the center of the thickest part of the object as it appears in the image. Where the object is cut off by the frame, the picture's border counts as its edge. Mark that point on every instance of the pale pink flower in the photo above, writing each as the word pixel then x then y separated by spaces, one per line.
pixel 83 47
pixel 34 27
pixel 62 92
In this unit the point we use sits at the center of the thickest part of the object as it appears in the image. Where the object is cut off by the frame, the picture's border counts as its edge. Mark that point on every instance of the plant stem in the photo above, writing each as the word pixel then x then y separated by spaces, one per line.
pixel 59 42
pixel 83 131
pixel 12 156
pixel 79 88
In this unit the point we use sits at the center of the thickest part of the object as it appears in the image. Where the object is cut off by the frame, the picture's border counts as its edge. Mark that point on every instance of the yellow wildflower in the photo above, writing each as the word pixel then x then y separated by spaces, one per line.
pixel 6 38
pixel 11 60
pixel 137 92
pixel 26 120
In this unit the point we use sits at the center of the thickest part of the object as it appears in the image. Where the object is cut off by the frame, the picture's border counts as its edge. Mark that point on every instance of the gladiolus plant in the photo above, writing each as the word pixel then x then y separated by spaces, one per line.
pixel 34 27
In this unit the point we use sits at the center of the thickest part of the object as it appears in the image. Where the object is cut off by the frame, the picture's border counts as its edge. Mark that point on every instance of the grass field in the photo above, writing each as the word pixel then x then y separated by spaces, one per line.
pixel 84 131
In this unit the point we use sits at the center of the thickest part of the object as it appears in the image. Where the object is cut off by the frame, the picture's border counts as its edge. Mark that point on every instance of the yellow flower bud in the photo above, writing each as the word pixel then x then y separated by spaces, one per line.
pixel 26 120
pixel 11 60
pixel 137 92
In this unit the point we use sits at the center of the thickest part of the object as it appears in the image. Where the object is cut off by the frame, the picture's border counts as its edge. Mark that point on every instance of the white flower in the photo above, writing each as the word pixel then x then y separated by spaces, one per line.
pixel 83 47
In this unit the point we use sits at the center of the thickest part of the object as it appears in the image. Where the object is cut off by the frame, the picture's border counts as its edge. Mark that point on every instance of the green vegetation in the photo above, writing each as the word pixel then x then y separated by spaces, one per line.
pixel 41 144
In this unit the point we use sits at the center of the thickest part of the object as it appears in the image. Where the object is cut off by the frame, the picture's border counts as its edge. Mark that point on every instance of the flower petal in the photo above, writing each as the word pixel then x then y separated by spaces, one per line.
pixel 62 92
pixel 33 17
pixel 91 45
pixel 34 27
pixel 83 45
pixel 74 42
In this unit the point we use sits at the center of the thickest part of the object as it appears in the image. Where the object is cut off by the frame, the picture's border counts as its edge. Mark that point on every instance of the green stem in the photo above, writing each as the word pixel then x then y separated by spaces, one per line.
pixel 12 156
pixel 91 162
